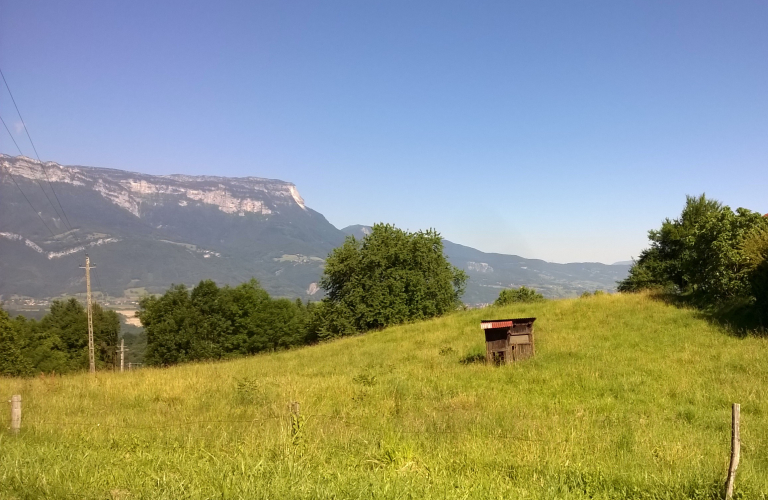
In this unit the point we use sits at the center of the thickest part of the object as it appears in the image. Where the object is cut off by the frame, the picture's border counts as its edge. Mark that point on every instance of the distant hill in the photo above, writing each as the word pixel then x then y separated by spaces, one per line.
pixel 491 272
pixel 145 232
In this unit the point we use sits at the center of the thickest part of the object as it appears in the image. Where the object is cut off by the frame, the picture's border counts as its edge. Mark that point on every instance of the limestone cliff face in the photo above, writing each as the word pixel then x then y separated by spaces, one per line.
pixel 129 190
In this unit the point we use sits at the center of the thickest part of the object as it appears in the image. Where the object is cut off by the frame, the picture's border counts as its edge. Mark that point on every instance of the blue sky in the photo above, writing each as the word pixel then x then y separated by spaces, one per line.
pixel 554 130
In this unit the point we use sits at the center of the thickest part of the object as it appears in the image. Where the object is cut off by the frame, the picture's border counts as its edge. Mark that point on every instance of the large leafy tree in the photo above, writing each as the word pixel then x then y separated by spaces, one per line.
pixel 700 253
pixel 390 276
pixel 668 260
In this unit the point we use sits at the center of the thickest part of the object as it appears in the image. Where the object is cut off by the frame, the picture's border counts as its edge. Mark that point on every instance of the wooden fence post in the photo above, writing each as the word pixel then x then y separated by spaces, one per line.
pixel 735 451
pixel 15 413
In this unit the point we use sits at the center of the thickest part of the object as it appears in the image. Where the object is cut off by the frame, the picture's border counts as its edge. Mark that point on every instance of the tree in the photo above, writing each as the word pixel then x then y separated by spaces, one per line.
pixel 755 249
pixel 667 263
pixel 516 296
pixel 12 361
pixel 64 330
pixel 106 331
pixel 700 253
pixel 59 342
pixel 169 321
pixel 389 277
pixel 718 268
pixel 215 322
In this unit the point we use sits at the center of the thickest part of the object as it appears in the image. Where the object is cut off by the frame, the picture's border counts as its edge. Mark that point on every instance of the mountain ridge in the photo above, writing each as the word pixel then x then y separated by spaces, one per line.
pixel 145 232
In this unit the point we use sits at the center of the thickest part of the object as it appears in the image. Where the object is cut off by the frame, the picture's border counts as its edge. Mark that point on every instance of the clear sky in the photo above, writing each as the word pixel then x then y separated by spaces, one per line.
pixel 554 130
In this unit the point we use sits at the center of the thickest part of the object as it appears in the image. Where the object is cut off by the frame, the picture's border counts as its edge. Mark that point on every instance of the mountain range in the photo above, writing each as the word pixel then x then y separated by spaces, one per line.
pixel 144 232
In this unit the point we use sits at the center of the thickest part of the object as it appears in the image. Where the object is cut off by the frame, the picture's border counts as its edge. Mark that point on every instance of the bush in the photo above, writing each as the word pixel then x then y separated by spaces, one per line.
pixel 519 295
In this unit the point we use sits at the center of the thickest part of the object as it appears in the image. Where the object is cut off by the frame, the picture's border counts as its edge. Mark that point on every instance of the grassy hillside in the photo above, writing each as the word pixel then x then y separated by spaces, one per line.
pixel 627 398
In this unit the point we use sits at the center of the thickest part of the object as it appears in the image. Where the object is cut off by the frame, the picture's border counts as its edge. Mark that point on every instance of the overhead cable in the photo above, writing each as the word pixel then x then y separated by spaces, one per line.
pixel 42 165
pixel 36 180
pixel 10 174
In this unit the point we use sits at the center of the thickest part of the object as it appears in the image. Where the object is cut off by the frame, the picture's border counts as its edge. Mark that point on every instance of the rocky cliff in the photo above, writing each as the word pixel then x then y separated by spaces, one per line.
pixel 131 190
pixel 183 227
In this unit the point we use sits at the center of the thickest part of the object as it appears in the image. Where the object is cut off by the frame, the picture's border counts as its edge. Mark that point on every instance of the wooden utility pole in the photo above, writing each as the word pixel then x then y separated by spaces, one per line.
pixel 88 268
pixel 122 354
pixel 735 450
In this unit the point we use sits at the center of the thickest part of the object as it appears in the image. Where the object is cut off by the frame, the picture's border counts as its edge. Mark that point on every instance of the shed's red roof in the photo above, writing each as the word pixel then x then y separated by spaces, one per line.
pixel 487 324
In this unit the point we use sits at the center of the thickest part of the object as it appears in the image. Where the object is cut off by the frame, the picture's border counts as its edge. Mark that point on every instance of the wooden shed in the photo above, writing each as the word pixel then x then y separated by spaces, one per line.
pixel 508 340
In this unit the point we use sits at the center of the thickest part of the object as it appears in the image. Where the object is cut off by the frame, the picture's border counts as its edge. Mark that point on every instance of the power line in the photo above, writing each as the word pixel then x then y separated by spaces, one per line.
pixel 37 155
pixel 10 174
pixel 30 203
pixel 48 179
pixel 11 135
pixel 99 287
pixel 36 180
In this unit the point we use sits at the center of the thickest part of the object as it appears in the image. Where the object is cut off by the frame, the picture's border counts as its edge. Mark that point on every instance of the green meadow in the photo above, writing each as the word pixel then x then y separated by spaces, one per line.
pixel 627 397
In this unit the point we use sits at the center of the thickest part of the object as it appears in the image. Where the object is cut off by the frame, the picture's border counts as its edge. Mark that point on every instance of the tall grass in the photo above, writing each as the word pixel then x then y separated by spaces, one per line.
pixel 627 397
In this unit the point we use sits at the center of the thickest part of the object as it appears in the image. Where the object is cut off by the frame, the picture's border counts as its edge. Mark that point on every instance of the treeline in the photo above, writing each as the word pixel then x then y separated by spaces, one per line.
pixel 389 277
pixel 710 254
pixel 212 322
pixel 58 343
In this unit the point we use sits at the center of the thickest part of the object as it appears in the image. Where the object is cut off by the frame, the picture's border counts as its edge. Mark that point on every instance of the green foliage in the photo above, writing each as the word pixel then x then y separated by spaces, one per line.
pixel 59 341
pixel 388 277
pixel 755 249
pixel 12 361
pixel 215 323
pixel 519 295
pixel 701 253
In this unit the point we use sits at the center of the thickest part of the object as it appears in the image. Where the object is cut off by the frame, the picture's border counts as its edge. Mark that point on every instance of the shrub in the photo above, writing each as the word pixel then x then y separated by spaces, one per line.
pixel 519 295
